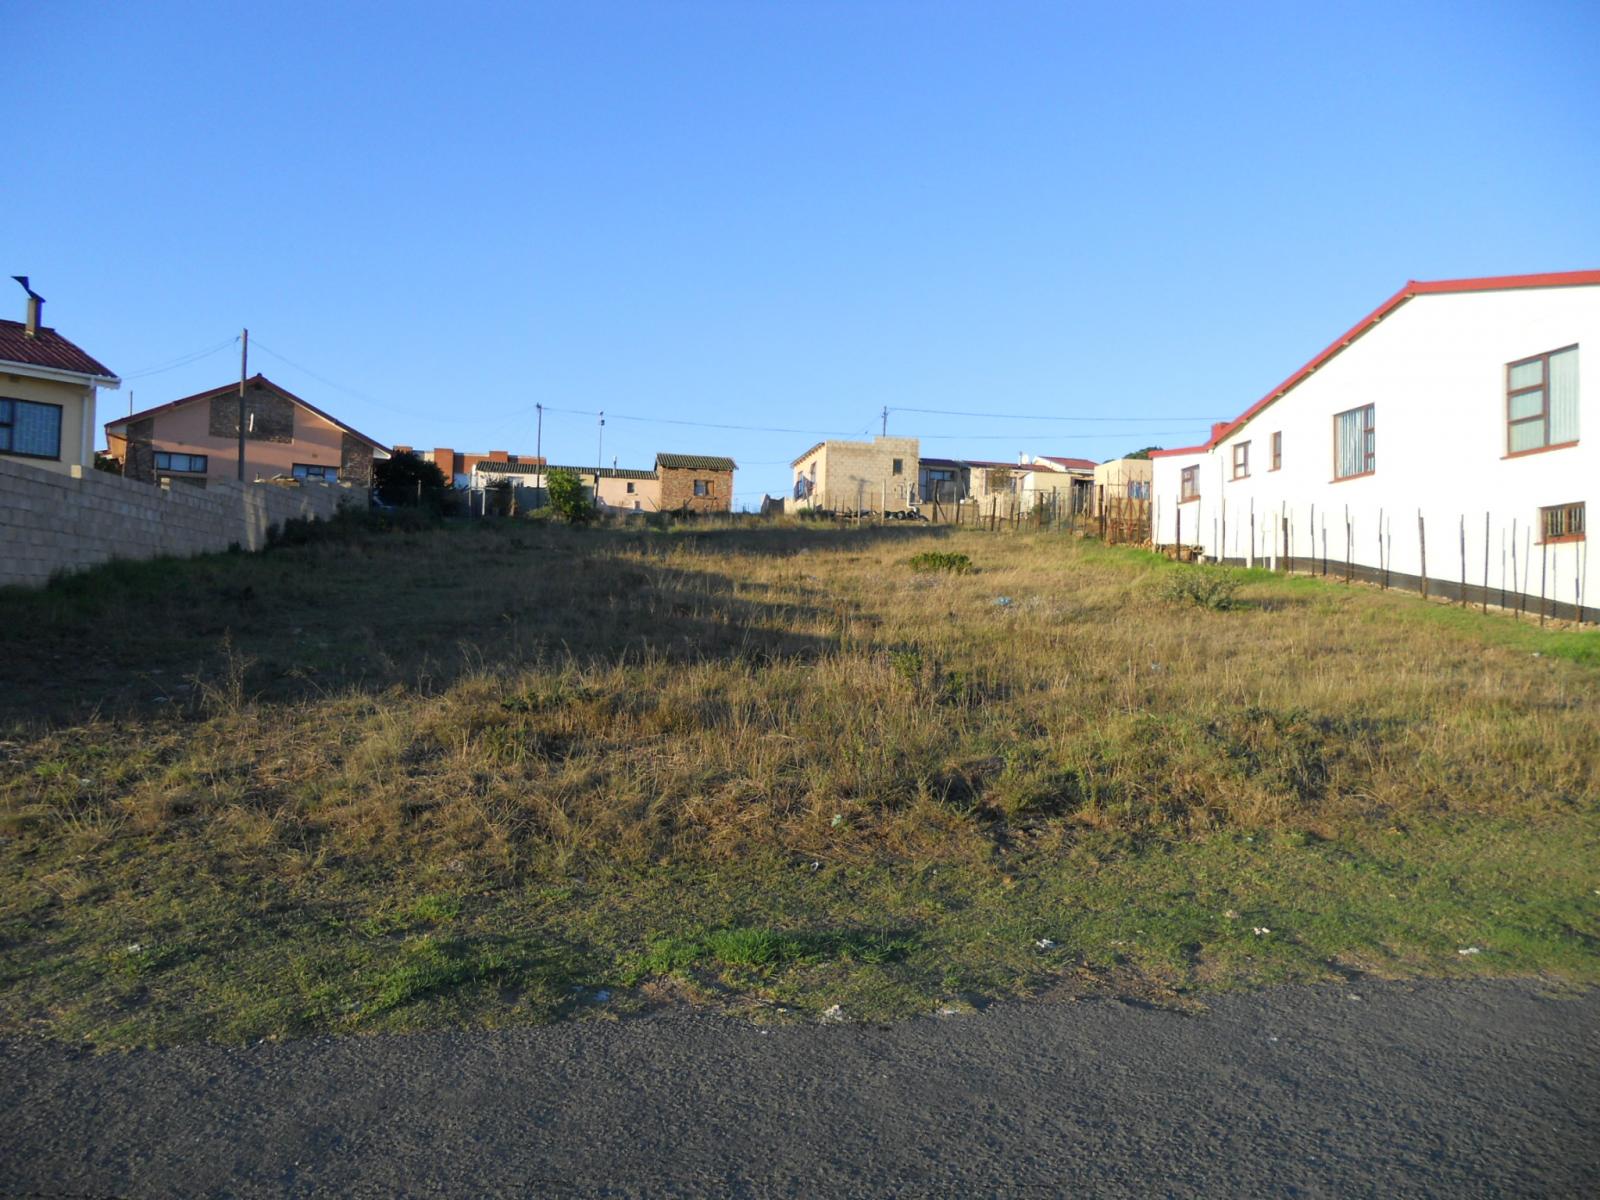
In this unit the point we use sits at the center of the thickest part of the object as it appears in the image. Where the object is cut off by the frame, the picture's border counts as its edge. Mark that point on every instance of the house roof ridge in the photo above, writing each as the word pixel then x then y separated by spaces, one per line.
pixel 1412 289
pixel 257 378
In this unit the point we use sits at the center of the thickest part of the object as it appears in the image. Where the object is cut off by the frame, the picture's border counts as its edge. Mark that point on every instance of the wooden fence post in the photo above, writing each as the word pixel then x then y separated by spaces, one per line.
pixel 1422 549
pixel 1463 560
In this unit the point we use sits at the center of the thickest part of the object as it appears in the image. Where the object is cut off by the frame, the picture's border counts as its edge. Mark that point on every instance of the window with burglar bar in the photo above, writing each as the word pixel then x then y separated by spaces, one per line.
pixel 1542 401
pixel 1561 523
pixel 1354 443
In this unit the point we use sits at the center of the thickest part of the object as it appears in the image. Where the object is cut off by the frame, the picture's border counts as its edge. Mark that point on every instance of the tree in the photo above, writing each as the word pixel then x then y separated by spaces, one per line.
pixel 567 498
pixel 1145 453
pixel 398 476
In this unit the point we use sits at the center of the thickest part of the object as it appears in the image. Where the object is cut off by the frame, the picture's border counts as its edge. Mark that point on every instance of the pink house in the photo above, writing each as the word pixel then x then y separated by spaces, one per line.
pixel 194 439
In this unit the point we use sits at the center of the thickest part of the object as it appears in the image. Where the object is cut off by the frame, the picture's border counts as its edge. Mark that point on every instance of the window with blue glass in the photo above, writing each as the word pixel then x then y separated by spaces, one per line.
pixel 30 429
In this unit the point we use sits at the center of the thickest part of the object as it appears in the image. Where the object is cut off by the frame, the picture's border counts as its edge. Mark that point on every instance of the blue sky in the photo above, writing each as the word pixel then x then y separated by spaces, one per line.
pixel 785 216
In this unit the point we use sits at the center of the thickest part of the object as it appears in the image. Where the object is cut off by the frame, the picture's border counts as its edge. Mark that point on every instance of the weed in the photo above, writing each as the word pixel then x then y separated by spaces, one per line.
pixel 1205 587
pixel 930 561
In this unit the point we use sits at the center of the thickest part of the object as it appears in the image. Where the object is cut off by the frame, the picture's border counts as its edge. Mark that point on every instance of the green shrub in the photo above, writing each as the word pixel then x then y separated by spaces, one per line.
pixel 567 499
pixel 940 560
pixel 1203 587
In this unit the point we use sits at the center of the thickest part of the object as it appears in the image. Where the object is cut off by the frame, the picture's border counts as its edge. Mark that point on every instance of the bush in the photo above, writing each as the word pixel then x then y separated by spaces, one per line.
pixel 1203 587
pixel 939 560
pixel 406 479
pixel 567 498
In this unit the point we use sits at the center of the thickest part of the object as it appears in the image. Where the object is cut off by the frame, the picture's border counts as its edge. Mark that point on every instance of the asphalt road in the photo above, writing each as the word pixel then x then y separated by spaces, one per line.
pixel 1434 1089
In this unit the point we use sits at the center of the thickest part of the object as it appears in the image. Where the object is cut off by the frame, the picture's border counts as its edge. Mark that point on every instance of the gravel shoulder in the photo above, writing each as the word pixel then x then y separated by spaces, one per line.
pixel 1412 1089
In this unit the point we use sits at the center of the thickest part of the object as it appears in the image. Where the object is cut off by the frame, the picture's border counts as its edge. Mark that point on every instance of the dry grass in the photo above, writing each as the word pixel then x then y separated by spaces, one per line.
pixel 482 710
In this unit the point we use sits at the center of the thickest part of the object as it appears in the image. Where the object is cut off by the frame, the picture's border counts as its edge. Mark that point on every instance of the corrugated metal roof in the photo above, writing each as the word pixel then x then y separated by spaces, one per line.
pixel 490 467
pixel 48 349
pixel 695 462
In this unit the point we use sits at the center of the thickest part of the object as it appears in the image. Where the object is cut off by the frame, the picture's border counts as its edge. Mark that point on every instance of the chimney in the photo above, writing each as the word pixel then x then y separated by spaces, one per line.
pixel 1217 428
pixel 35 306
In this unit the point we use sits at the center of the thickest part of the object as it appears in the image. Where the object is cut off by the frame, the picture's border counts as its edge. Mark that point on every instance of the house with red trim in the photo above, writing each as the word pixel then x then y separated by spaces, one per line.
pixel 1447 435
pixel 196 438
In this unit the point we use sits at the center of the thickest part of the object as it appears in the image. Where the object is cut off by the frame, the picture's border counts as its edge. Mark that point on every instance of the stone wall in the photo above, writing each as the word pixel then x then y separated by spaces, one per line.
pixel 51 522
pixel 677 490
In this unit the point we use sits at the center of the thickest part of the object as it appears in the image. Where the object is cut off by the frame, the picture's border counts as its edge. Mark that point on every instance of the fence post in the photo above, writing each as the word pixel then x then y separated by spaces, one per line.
pixel 1544 571
pixel 1463 560
pixel 1177 537
pixel 1422 549
pixel 1486 563
pixel 1288 567
pixel 1250 558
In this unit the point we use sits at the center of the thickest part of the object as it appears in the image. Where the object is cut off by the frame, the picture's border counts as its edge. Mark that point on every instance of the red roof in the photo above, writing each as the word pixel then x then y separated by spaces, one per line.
pixel 1070 464
pixel 234 387
pixel 1412 288
pixel 48 349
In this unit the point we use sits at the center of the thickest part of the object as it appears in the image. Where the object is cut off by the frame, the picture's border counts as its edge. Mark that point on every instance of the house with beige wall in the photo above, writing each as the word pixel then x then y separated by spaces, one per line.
pixel 196 439
pixel 48 388
pixel 844 476
pixel 1122 479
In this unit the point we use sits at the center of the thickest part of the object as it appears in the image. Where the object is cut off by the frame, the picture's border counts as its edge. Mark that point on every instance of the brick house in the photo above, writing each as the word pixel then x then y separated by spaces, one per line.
pixel 47 394
pixel 694 482
pixel 196 439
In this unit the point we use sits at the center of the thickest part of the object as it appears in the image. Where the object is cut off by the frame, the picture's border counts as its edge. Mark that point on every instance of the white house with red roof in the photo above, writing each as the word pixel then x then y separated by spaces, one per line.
pixel 1443 435
pixel 48 388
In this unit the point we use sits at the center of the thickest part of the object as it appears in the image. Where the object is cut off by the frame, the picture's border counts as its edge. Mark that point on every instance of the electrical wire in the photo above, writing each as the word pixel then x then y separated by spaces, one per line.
pixel 950 412
pixel 182 360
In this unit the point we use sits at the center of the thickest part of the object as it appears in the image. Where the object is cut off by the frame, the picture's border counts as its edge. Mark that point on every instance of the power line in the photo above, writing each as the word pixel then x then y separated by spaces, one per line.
pixel 183 360
pixel 950 412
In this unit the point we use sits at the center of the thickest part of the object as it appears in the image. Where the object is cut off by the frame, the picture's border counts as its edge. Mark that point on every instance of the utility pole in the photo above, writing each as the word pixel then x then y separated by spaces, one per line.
pixel 538 438
pixel 599 450
pixel 885 420
pixel 244 366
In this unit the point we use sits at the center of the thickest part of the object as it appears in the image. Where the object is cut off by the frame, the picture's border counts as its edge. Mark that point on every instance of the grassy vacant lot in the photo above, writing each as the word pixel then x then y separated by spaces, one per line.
pixel 494 774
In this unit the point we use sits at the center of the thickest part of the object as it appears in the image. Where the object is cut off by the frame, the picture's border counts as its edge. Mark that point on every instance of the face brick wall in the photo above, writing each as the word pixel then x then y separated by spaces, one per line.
pixel 677 490
pixel 269 417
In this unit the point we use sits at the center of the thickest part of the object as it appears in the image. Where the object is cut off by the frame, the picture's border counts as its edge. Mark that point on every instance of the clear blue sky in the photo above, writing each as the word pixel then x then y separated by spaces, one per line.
pixel 781 215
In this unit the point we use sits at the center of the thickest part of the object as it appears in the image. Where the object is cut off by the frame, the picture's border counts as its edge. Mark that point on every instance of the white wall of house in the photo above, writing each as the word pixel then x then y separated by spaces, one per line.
pixel 1435 370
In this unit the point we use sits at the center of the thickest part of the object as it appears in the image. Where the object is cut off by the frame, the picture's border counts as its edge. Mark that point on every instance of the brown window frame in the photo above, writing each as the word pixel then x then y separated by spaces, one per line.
pixel 1571 520
pixel 1241 460
pixel 1543 387
pixel 1370 457
pixel 1277 451
pixel 1188 484
pixel 897 466
pixel 702 487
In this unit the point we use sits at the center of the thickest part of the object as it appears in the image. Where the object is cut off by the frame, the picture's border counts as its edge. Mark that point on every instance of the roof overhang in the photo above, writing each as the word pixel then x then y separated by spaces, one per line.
pixel 57 375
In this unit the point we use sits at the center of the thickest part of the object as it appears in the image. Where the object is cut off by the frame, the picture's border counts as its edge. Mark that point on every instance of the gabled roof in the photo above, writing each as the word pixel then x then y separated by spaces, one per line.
pixel 694 462
pixel 256 380
pixel 1070 464
pixel 48 349
pixel 1500 283
pixel 496 467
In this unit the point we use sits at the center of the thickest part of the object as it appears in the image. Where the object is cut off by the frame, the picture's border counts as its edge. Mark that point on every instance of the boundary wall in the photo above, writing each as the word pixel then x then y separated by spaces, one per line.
pixel 52 523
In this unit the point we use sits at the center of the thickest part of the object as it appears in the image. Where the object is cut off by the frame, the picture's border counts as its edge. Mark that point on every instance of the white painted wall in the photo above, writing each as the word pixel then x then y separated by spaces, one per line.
pixel 1436 371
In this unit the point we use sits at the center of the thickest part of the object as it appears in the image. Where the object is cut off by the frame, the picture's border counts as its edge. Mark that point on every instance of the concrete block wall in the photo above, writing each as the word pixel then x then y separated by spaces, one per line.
pixel 52 522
